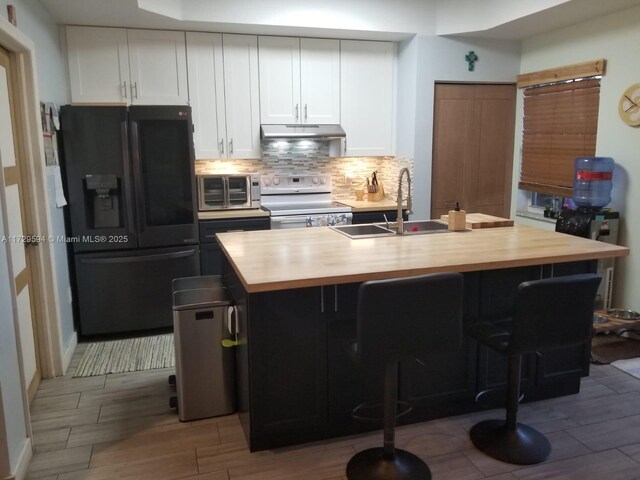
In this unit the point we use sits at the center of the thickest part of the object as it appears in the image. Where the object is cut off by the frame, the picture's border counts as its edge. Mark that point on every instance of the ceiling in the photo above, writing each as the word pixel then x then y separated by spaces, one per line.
pixel 364 19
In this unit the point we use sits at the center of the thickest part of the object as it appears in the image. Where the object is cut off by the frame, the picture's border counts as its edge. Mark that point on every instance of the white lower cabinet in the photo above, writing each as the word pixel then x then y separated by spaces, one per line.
pixel 366 96
pixel 223 88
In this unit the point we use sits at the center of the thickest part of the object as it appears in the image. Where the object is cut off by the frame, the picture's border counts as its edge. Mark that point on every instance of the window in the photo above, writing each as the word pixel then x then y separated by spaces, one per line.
pixel 560 124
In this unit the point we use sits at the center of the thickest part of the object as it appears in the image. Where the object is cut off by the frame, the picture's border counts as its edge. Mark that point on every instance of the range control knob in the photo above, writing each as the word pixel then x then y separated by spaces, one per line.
pixel 323 181
pixel 315 180
pixel 267 181
pixel 276 181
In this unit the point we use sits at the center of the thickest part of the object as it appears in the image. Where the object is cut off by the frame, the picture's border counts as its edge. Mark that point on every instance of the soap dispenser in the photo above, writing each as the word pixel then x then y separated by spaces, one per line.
pixel 457 218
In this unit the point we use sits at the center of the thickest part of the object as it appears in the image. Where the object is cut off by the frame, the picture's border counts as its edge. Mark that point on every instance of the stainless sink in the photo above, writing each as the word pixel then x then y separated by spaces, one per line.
pixel 414 227
pixel 373 230
pixel 367 230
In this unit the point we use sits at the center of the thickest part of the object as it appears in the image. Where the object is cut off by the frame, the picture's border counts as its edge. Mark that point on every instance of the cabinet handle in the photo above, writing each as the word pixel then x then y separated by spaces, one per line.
pixel 231 146
pixel 335 298
pixel 135 87
pixel 321 299
pixel 124 89
pixel 296 111
pixel 305 111
pixel 221 146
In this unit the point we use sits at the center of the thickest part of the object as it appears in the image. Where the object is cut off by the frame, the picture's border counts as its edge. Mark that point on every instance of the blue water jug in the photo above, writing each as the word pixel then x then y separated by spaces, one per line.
pixel 592 181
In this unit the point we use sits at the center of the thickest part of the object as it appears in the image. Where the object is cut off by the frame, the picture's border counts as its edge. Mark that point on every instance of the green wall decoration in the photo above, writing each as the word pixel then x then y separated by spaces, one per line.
pixel 471 57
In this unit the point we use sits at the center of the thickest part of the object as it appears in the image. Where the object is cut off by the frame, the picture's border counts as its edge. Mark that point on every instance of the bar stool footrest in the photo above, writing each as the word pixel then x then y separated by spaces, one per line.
pixel 522 446
pixel 372 464
pixel 494 398
pixel 402 408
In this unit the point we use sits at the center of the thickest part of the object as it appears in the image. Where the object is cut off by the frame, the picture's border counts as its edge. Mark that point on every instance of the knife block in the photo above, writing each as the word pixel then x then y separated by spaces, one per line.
pixel 377 196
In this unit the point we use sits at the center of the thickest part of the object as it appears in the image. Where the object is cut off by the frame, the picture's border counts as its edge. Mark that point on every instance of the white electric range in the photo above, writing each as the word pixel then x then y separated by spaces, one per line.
pixel 302 201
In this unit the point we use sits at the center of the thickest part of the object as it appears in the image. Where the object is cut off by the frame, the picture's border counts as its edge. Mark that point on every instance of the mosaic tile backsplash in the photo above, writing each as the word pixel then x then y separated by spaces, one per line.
pixel 308 156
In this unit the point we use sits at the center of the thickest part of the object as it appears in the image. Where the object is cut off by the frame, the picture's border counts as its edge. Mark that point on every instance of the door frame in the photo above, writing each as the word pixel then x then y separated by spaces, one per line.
pixel 32 165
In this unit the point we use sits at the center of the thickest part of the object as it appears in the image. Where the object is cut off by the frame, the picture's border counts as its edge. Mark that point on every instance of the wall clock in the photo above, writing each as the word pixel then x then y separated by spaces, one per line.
pixel 629 107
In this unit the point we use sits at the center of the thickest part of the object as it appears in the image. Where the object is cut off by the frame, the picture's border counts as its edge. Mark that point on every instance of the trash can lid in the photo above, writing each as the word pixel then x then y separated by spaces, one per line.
pixel 195 299
pixel 190 283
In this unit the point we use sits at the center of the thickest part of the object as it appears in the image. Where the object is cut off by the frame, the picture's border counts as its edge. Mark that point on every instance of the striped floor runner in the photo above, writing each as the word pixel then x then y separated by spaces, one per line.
pixel 129 355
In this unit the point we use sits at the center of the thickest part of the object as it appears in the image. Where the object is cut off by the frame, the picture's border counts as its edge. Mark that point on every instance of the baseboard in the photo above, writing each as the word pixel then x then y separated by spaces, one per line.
pixel 68 353
pixel 23 462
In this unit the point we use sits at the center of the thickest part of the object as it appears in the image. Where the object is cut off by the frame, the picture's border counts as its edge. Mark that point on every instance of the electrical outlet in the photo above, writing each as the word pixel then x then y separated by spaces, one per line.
pixel 69 295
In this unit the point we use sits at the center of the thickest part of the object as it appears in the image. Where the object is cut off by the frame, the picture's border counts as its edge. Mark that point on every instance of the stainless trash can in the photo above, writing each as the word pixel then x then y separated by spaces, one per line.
pixel 205 370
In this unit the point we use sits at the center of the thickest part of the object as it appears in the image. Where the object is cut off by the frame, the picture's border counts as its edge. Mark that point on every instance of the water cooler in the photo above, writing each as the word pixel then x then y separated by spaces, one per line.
pixel 591 192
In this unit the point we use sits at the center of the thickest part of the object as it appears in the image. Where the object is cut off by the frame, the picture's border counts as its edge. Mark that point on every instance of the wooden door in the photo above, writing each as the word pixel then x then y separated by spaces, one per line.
pixel 241 95
pixel 17 227
pixel 320 81
pixel 158 63
pixel 473 148
pixel 206 94
pixel 98 65
pixel 366 97
pixel 279 59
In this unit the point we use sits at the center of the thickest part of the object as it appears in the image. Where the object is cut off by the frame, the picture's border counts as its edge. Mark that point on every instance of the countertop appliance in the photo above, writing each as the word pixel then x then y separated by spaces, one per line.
pixel 131 189
pixel 596 224
pixel 228 191
pixel 302 201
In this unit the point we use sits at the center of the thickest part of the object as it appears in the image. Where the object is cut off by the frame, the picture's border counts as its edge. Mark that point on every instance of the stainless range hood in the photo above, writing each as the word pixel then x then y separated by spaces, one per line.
pixel 314 132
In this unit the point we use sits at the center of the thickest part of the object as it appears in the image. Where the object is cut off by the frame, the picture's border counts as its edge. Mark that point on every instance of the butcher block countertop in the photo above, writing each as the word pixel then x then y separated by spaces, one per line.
pixel 233 213
pixel 367 206
pixel 269 260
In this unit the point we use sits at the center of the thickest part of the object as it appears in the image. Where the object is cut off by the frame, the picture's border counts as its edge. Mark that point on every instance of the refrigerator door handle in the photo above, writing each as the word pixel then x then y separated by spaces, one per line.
pixel 137 176
pixel 137 259
pixel 129 191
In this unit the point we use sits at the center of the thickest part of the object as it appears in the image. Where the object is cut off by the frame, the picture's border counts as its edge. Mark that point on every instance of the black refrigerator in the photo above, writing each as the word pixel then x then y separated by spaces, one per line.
pixel 130 184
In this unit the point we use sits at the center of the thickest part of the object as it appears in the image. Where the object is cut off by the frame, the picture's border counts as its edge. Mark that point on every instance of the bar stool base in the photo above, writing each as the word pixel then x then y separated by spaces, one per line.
pixel 522 446
pixel 371 464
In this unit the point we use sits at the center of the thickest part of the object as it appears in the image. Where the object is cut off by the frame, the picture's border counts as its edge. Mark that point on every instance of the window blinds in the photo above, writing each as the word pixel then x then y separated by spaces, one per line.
pixel 560 124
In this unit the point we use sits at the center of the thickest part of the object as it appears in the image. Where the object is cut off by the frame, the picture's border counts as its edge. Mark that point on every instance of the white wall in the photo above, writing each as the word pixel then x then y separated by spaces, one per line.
pixel 616 38
pixel 455 16
pixel 53 86
pixel 442 59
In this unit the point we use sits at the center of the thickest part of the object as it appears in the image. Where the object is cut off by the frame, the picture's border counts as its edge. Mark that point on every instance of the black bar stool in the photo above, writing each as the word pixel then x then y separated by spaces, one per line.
pixel 549 313
pixel 398 319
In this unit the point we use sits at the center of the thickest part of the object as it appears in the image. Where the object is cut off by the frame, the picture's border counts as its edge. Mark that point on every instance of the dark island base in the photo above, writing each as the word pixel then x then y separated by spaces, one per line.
pixel 297 381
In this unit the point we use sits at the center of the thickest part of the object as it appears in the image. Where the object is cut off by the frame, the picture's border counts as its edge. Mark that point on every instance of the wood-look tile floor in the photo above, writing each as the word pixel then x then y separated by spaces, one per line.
pixel 120 427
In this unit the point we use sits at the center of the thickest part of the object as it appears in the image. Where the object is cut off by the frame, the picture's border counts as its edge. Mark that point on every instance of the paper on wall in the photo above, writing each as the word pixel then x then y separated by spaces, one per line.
pixel 57 185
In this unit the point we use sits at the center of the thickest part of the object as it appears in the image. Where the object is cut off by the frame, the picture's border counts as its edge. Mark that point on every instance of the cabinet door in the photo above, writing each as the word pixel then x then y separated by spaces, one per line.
pixel 206 94
pixel 320 81
pixel 366 96
pixel 240 54
pixel 98 64
pixel 279 80
pixel 158 63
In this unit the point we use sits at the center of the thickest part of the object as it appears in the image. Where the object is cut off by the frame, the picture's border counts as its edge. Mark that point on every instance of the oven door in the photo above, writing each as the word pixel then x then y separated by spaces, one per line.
pixel 212 193
pixel 316 220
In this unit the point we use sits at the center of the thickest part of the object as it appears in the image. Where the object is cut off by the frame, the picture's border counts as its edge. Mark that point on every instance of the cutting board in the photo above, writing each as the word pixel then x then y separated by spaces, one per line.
pixel 482 220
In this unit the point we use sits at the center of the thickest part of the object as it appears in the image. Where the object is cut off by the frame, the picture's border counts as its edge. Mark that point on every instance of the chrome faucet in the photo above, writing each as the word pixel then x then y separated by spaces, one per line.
pixel 400 219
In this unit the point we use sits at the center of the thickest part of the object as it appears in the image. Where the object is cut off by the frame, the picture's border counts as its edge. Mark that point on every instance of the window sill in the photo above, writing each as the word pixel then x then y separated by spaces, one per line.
pixel 535 216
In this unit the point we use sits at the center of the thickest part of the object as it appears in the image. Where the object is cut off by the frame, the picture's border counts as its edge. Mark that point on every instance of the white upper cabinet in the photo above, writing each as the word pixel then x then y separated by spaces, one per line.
pixel 206 92
pixel 320 80
pixel 98 65
pixel 242 95
pixel 366 91
pixel 158 67
pixel 299 80
pixel 279 80
pixel 223 88
pixel 115 65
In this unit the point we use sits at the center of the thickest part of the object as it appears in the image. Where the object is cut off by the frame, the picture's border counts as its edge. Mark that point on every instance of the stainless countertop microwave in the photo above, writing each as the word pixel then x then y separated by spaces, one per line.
pixel 227 191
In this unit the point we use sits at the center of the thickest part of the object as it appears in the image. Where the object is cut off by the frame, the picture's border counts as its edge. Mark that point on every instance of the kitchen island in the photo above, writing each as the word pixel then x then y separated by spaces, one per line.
pixel 296 290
